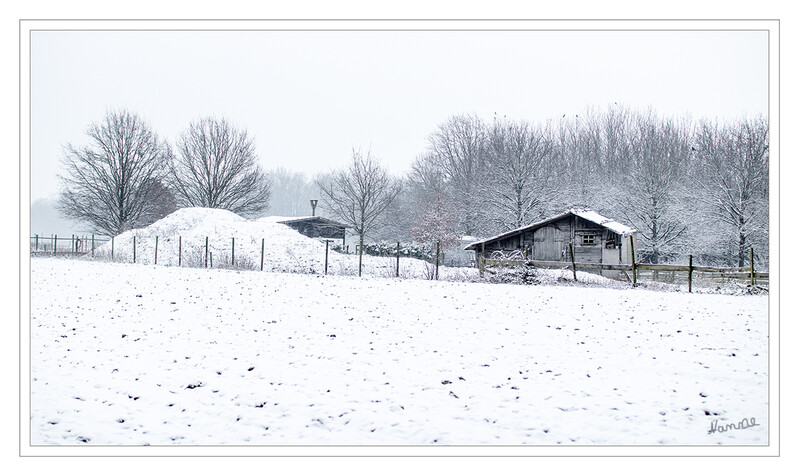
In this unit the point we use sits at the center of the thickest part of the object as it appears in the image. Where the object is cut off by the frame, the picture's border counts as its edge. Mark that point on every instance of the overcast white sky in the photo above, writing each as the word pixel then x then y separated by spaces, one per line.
pixel 308 97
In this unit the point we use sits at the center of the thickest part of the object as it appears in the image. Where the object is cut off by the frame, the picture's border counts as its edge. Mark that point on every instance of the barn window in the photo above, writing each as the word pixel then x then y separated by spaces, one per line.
pixel 589 240
pixel 612 240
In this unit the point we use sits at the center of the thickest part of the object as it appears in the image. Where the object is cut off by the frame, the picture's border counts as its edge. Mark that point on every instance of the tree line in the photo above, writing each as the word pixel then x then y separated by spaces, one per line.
pixel 695 187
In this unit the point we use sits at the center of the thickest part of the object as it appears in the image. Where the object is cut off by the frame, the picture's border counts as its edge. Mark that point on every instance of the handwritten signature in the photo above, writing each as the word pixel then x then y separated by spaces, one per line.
pixel 741 425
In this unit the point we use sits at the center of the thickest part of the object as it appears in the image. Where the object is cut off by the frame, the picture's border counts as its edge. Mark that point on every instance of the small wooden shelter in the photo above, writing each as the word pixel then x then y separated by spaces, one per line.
pixel 318 227
pixel 595 239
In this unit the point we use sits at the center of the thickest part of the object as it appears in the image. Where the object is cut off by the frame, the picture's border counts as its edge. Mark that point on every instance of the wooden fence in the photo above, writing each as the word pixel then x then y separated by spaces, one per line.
pixel 669 273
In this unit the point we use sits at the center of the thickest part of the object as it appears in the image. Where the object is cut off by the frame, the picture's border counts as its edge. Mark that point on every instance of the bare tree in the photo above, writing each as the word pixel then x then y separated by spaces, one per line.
pixel 216 167
pixel 516 189
pixel 651 193
pixel 112 184
pixel 458 148
pixel 734 178
pixel 359 194
pixel 436 224
pixel 167 202
pixel 580 148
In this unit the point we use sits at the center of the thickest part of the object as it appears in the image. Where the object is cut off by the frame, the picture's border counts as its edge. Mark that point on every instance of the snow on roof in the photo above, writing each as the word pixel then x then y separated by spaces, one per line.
pixel 583 213
pixel 608 223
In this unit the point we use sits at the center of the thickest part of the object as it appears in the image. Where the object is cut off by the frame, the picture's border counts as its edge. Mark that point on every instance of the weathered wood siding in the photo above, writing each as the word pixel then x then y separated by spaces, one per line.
pixel 592 243
pixel 550 242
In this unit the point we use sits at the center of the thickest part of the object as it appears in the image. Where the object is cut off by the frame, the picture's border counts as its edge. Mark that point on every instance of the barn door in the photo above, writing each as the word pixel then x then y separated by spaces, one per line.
pixel 545 247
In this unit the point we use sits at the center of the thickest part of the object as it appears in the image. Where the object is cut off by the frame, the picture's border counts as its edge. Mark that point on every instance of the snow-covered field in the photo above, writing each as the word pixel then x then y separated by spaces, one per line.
pixel 125 354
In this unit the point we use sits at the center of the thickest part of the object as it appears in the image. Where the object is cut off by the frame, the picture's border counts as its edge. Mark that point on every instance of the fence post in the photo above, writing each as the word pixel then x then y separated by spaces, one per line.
pixel 752 267
pixel 156 249
pixel 206 252
pixel 112 248
pixel 571 254
pixel 632 255
pixel 481 261
pixel 180 250
pixel 438 250
pixel 55 245
pixel 233 252
pixel 690 271
pixel 72 244
pixel 212 258
pixel 398 253
pixel 134 248
pixel 37 242
pixel 262 253
pixel 327 246
pixel 360 256
pixel 92 246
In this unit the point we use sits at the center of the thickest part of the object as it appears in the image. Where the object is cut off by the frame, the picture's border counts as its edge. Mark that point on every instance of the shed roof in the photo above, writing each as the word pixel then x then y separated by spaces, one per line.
pixel 318 219
pixel 583 213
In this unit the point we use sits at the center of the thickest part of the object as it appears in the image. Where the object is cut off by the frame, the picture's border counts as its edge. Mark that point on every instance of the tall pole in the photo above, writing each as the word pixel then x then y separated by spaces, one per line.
pixel 752 266
pixel 398 253
pixel 262 253
pixel 180 250
pixel 690 271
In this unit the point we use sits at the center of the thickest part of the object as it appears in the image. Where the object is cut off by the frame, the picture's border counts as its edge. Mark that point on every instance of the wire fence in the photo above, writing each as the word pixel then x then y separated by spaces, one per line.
pixel 213 252
pixel 74 245
pixel 248 253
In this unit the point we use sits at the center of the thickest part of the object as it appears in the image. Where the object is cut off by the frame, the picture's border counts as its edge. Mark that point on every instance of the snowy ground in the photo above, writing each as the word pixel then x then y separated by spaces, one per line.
pixel 125 354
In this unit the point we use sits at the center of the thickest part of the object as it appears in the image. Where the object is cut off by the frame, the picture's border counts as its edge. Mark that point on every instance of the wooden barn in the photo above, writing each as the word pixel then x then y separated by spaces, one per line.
pixel 318 227
pixel 595 238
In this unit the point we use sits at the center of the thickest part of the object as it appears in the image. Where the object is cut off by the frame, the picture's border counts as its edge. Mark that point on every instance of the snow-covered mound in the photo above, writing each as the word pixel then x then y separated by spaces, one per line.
pixel 181 238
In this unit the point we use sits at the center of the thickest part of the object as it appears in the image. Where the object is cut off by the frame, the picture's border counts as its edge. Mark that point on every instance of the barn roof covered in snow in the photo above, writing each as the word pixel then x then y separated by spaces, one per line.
pixel 583 213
